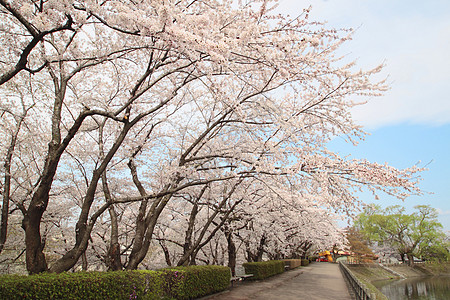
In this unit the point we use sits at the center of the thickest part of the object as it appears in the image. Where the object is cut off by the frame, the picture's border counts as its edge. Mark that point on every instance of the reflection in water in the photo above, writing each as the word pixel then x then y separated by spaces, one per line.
pixel 436 288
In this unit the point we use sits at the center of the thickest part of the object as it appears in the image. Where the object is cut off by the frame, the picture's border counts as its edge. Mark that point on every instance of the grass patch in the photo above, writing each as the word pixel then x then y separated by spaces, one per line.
pixel 434 268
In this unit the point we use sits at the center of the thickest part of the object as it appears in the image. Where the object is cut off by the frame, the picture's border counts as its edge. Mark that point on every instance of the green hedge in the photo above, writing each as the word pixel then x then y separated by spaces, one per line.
pixel 177 283
pixel 305 262
pixel 312 258
pixel 292 263
pixel 83 285
pixel 264 269
pixel 196 281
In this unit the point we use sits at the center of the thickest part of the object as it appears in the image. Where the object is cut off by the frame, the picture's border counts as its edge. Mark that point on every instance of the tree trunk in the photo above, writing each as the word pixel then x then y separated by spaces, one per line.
pixel 250 257
pixel 5 210
pixel 84 262
pixel 145 227
pixel 166 253
pixel 260 250
pixel 410 259
pixel 7 182
pixel 84 227
pixel 187 246
pixel 141 225
pixel 31 223
pixel 113 259
pixel 7 190
pixel 142 242
pixel 35 259
pixel 195 248
pixel 193 259
pixel 231 252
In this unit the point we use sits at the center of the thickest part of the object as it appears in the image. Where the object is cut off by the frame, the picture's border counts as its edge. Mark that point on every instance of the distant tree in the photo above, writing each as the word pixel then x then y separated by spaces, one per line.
pixel 439 251
pixel 407 233
pixel 358 244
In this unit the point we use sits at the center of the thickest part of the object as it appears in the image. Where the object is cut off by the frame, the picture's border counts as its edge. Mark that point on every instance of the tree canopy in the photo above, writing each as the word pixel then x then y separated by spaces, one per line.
pixel 130 125
pixel 358 245
pixel 413 235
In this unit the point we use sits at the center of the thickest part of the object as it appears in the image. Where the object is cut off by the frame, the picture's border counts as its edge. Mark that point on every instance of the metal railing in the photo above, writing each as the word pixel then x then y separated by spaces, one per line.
pixel 360 290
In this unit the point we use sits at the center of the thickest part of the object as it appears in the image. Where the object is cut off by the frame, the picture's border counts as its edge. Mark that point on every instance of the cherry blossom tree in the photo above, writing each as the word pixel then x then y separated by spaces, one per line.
pixel 282 223
pixel 145 104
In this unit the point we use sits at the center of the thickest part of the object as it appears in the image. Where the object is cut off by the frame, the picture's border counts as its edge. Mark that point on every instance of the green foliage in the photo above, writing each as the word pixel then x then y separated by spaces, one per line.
pixel 434 268
pixel 312 258
pixel 195 281
pixel 264 269
pixel 83 285
pixel 292 263
pixel 358 245
pixel 305 262
pixel 409 234
pixel 437 252
pixel 179 283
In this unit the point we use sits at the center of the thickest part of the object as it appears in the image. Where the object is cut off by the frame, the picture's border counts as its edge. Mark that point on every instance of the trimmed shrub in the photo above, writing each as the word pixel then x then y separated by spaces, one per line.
pixel 264 269
pixel 195 281
pixel 292 263
pixel 312 258
pixel 305 262
pixel 178 283
pixel 83 285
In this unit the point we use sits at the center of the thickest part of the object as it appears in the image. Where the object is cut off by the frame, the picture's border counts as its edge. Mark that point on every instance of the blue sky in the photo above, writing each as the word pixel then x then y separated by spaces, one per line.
pixel 404 145
pixel 411 122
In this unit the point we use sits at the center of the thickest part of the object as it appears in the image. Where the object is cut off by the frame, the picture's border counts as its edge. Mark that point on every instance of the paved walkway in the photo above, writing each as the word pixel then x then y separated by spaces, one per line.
pixel 317 281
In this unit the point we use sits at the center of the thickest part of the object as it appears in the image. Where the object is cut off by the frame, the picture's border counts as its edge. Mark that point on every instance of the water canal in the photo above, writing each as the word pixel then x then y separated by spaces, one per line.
pixel 432 287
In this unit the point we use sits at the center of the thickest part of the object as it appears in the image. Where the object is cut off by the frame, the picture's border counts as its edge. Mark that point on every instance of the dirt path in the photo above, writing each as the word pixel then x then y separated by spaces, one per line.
pixel 317 281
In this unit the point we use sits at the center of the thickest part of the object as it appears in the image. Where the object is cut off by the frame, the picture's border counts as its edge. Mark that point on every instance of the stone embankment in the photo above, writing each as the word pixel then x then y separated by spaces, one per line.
pixel 441 269
pixel 392 271
pixel 408 271
pixel 372 272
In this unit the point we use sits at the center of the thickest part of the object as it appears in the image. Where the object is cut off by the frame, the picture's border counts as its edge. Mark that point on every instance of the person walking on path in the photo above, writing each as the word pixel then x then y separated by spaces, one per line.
pixel 315 282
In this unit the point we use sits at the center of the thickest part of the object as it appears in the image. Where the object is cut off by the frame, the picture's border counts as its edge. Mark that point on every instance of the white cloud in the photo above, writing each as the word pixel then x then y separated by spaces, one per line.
pixel 412 38
pixel 443 213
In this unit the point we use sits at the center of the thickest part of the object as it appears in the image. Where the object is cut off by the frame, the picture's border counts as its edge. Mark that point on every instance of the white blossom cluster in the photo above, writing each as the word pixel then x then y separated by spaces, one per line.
pixel 172 127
